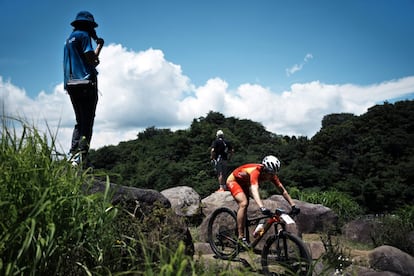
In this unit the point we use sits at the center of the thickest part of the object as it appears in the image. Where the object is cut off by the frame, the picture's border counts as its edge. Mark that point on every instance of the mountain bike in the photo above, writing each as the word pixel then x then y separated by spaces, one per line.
pixel 283 253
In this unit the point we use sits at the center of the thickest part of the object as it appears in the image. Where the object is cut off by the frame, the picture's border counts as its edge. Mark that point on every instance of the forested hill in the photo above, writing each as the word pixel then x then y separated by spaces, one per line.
pixel 370 157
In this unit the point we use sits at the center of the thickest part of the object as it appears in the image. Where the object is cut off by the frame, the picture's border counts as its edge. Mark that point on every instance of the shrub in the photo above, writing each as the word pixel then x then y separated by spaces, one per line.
pixel 395 230
pixel 342 204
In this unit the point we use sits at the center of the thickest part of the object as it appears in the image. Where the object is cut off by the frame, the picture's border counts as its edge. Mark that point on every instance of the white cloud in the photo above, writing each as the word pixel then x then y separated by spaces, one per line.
pixel 297 67
pixel 143 89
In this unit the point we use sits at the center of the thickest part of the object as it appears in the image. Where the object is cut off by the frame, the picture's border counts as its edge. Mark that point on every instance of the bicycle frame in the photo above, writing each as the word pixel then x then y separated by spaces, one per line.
pixel 275 220
pixel 281 248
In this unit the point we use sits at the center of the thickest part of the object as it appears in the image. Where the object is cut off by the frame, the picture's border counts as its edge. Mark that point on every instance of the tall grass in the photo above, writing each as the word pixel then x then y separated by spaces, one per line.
pixel 51 225
pixel 47 224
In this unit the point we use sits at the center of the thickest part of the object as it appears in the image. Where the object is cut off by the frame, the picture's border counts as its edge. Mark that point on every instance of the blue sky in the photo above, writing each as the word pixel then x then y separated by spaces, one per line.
pixel 285 64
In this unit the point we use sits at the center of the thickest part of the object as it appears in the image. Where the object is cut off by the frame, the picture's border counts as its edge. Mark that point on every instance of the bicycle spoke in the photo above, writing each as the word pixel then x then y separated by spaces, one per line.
pixel 286 256
pixel 222 233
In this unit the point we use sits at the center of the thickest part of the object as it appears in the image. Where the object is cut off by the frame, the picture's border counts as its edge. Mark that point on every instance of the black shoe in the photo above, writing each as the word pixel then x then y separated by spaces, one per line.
pixel 243 244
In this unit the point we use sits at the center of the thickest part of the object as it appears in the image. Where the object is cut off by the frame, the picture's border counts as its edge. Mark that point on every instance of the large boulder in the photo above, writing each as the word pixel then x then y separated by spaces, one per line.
pixel 124 194
pixel 313 218
pixel 185 201
pixel 388 258
pixel 216 200
pixel 360 230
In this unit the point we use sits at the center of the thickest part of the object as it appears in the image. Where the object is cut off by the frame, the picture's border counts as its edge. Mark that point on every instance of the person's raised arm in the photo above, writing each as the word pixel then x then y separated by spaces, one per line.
pixel 93 56
pixel 100 43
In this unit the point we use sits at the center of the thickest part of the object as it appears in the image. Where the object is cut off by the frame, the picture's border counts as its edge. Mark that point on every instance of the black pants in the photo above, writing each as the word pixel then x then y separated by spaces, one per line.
pixel 84 103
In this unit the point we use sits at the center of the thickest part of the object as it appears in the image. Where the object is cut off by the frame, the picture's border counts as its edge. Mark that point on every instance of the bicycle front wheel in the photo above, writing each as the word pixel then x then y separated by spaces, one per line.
pixel 286 254
pixel 222 233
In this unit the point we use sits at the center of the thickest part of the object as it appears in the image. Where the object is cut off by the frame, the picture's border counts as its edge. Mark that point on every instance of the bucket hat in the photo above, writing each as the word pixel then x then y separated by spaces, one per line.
pixel 84 16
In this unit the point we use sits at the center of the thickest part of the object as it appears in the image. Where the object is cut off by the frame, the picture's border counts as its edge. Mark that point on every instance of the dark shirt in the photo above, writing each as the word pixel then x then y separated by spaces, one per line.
pixel 221 148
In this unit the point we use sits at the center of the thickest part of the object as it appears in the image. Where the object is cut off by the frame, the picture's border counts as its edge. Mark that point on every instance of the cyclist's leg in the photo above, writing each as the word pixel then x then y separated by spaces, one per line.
pixel 243 202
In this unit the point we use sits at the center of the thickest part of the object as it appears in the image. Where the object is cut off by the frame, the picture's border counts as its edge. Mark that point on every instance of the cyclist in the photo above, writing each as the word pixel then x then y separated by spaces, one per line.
pixel 244 181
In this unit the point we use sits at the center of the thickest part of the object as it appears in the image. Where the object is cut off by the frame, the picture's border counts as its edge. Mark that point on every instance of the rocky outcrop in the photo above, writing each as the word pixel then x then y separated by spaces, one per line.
pixel 388 258
pixel 185 201
pixel 360 230
pixel 122 194
pixel 314 218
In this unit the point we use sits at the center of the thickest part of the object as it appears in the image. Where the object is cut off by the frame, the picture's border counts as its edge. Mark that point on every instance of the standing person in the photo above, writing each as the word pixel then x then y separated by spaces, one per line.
pixel 221 151
pixel 244 182
pixel 79 62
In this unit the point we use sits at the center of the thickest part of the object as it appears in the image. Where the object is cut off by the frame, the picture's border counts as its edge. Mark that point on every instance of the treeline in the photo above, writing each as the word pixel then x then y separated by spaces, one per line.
pixel 369 157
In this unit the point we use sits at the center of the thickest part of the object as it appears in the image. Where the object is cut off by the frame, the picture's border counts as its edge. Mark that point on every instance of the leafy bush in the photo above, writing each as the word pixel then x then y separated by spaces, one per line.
pixel 396 229
pixel 342 204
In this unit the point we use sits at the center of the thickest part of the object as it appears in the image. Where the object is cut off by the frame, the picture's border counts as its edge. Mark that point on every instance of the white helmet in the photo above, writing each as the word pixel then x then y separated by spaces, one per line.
pixel 271 164
pixel 219 133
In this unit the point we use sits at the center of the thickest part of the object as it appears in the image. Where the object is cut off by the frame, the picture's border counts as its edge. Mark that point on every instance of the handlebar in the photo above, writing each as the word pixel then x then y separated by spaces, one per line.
pixel 278 212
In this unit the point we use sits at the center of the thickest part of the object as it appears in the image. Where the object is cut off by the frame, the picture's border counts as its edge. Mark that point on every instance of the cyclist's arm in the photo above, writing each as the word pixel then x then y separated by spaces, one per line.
pixel 283 191
pixel 254 187
pixel 254 190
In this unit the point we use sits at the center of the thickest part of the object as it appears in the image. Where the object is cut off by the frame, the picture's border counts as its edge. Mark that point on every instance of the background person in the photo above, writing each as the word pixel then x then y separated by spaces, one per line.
pixel 244 182
pixel 79 62
pixel 221 151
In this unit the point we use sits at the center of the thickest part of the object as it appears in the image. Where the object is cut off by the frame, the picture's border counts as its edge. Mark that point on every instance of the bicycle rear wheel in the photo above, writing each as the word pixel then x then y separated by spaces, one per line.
pixel 286 254
pixel 222 233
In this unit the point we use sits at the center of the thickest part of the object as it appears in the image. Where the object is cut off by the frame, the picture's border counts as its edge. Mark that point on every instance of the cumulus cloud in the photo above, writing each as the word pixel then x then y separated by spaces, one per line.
pixel 297 67
pixel 143 89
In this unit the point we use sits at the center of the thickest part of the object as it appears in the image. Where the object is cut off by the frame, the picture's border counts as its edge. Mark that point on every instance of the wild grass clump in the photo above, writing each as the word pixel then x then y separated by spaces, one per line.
pixel 48 225
pixel 336 256
pixel 51 225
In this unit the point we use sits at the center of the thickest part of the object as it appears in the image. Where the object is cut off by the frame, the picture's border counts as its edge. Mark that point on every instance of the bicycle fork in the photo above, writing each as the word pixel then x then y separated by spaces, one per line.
pixel 281 249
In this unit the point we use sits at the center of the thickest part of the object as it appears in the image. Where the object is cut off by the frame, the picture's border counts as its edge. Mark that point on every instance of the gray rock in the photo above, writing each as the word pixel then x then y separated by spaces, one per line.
pixel 365 271
pixel 216 200
pixel 360 230
pixel 121 193
pixel 185 201
pixel 388 258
